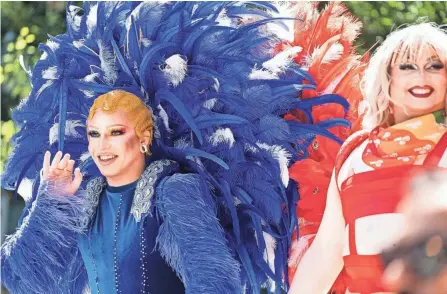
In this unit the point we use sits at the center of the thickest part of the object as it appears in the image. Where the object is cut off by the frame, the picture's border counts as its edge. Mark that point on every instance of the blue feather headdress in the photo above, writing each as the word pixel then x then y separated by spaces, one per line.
pixel 218 96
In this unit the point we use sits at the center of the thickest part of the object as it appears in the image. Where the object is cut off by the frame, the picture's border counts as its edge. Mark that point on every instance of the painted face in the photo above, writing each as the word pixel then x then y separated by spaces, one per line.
pixel 115 147
pixel 419 86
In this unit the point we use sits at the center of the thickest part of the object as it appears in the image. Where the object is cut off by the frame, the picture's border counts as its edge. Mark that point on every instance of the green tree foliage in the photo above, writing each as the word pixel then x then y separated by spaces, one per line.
pixel 7 131
pixel 381 18
pixel 24 25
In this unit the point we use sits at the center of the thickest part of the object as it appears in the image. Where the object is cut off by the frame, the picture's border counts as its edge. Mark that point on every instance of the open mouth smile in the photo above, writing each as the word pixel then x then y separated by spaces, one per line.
pixel 106 159
pixel 421 92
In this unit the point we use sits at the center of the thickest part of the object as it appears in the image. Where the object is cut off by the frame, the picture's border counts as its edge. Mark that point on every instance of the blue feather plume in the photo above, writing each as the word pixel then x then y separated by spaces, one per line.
pixel 214 119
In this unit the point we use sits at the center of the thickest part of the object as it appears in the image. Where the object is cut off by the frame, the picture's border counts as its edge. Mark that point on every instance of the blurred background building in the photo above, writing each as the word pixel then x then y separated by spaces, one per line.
pixel 26 24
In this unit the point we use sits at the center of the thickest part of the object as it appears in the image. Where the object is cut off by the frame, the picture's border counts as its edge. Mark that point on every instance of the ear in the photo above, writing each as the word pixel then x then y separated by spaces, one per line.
pixel 147 137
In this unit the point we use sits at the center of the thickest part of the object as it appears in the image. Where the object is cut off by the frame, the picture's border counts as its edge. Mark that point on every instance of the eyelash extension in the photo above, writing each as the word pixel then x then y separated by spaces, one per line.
pixel 117 132
pixel 93 134
pixel 437 66
pixel 407 66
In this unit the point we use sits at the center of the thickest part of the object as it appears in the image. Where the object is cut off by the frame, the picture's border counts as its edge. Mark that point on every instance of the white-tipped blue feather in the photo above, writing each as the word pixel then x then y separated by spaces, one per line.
pixel 53 45
pixel 44 86
pixel 92 18
pixel 89 94
pixel 282 156
pixel 90 78
pixel 262 74
pixel 222 136
pixel 175 69
pixel 26 189
pixel 107 63
pixel 50 73
pixel 70 130
pixel 269 257
pixel 164 118
pixel 272 68
pixel 285 9
pixel 209 104
pixel 282 60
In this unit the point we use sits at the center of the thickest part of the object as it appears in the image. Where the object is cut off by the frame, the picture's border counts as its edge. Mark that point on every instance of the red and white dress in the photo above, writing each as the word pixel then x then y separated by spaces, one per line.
pixel 369 200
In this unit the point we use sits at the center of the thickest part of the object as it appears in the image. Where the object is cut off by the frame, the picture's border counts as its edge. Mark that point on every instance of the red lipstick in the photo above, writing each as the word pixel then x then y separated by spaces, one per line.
pixel 421 92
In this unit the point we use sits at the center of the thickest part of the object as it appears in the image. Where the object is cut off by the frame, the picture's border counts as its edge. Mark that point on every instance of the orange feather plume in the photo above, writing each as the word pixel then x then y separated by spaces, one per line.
pixel 327 39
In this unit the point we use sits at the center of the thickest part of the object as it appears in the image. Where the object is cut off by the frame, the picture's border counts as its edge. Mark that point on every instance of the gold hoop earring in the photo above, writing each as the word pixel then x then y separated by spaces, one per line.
pixel 143 148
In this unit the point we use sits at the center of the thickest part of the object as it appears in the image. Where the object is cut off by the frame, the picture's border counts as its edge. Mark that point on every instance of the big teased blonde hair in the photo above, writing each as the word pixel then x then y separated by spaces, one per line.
pixel 137 112
pixel 409 42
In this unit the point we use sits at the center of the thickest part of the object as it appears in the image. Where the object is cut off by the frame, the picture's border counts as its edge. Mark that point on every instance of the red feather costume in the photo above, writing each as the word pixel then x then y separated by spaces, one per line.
pixel 328 52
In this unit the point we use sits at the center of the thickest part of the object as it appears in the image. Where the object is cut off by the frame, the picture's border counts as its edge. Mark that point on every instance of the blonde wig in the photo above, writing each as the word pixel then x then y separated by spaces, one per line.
pixel 137 112
pixel 406 43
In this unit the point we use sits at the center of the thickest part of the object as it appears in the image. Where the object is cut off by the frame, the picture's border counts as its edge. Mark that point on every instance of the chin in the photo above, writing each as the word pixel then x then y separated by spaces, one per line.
pixel 106 171
pixel 423 108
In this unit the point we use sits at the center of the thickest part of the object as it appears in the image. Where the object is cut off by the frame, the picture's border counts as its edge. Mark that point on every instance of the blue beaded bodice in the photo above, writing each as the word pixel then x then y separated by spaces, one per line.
pixel 119 251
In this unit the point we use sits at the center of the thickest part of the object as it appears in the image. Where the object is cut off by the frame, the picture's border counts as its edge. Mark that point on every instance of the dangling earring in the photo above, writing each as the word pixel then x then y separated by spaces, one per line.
pixel 143 148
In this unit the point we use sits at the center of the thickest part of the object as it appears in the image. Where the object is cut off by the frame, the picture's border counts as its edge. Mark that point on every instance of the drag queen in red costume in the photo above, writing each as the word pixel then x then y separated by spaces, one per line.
pixel 404 133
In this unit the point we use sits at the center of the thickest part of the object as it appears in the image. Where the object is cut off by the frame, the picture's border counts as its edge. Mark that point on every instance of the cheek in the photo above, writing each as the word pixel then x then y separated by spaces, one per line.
pixel 398 89
pixel 443 82
pixel 128 143
pixel 91 146
pixel 440 83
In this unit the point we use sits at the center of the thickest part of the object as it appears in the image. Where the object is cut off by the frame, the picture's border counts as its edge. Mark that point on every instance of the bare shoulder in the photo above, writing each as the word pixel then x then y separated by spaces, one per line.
pixel 349 159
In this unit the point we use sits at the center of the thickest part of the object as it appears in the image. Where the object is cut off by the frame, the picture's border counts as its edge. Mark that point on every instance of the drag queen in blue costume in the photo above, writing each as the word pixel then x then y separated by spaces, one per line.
pixel 198 200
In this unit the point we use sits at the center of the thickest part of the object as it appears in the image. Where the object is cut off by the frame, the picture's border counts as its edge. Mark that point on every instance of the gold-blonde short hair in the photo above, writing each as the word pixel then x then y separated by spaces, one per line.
pixel 137 112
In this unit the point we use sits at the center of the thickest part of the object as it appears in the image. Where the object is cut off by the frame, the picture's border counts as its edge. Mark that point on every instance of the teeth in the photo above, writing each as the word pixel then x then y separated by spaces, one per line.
pixel 420 91
pixel 106 157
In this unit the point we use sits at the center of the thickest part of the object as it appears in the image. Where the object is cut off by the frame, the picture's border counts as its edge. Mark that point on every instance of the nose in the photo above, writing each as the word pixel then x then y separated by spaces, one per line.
pixel 421 76
pixel 104 142
pixel 421 72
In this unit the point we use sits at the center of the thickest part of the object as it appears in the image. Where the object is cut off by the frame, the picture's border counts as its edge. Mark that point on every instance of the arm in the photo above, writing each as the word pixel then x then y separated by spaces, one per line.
pixel 42 255
pixel 322 263
pixel 35 257
pixel 191 239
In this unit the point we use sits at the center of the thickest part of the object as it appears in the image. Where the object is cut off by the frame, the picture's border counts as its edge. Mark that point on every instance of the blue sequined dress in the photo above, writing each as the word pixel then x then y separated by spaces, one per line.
pixel 137 238
pixel 119 253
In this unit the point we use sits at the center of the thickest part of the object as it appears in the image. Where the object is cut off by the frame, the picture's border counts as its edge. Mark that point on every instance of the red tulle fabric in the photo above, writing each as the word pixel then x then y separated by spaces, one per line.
pixel 319 34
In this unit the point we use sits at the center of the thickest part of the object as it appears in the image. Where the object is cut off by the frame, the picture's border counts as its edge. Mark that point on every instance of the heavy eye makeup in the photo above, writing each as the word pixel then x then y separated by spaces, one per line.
pixel 93 134
pixel 433 65
pixel 407 66
pixel 116 132
pixel 436 65
pixel 112 132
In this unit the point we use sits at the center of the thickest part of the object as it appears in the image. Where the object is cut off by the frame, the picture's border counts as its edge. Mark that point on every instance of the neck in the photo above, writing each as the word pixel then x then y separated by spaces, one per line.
pixel 131 176
pixel 400 115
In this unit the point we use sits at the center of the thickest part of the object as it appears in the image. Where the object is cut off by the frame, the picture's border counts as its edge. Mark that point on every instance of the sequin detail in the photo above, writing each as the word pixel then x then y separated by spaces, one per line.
pixel 94 189
pixel 145 188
